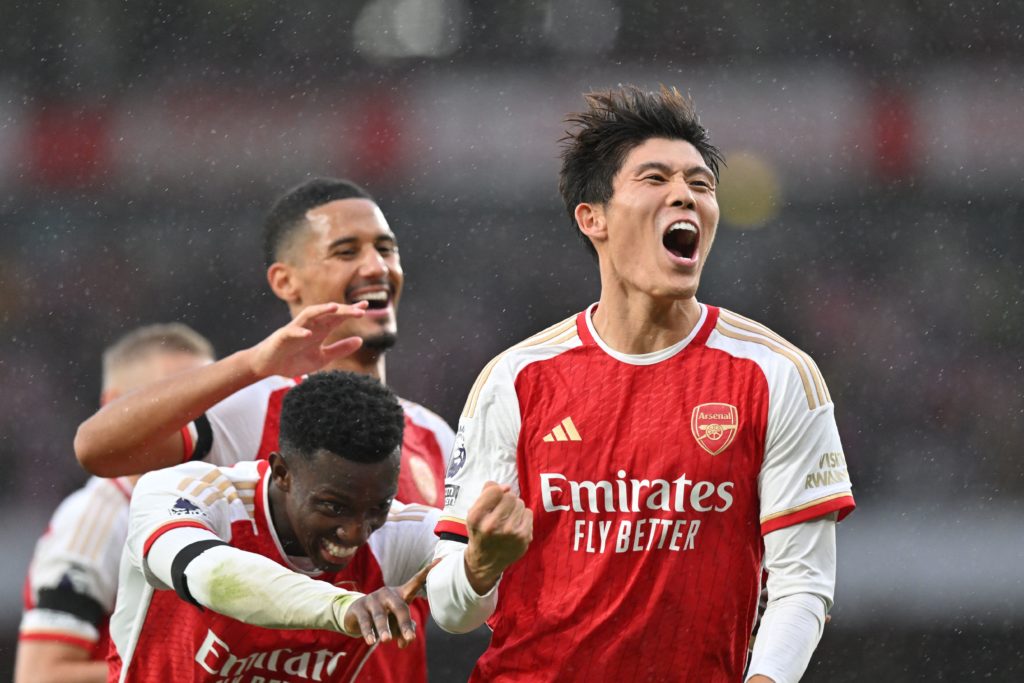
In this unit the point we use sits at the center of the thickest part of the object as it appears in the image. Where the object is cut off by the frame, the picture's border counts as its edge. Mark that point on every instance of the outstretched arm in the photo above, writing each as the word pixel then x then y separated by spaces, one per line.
pixel 141 431
pixel 258 591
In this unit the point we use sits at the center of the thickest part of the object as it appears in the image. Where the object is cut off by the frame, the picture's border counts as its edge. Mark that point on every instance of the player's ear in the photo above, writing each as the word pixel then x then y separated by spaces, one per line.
pixel 283 282
pixel 591 221
pixel 279 472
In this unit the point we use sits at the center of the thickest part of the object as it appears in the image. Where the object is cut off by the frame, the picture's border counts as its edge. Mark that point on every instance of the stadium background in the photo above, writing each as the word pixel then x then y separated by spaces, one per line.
pixel 871 214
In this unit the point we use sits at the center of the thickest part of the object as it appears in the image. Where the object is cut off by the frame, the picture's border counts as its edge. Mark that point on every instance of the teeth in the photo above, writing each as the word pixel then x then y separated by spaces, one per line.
pixel 372 296
pixel 339 550
pixel 681 225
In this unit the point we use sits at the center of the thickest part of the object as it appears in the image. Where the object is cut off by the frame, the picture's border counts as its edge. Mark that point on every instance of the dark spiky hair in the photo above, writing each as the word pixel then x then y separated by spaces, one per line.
pixel 289 212
pixel 616 121
pixel 353 416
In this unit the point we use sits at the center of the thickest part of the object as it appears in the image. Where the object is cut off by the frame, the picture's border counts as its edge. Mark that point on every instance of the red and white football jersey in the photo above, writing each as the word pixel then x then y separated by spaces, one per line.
pixel 245 426
pixel 652 479
pixel 157 636
pixel 72 579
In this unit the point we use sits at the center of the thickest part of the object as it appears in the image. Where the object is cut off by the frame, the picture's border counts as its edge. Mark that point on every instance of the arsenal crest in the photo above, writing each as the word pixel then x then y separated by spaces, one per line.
pixel 714 426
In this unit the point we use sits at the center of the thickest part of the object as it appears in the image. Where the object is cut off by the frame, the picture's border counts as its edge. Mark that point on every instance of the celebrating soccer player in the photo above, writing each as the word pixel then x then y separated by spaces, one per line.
pixel 72 580
pixel 667 449
pixel 275 550
pixel 332 257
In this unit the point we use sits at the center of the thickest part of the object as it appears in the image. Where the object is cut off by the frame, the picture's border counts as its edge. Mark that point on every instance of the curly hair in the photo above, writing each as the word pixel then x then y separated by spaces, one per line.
pixel 616 121
pixel 288 213
pixel 350 415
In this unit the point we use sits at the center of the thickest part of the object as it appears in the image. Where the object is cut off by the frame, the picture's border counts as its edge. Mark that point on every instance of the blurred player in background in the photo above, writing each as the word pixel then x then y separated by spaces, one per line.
pixel 72 580
pixel 277 554
pixel 333 259
pixel 658 443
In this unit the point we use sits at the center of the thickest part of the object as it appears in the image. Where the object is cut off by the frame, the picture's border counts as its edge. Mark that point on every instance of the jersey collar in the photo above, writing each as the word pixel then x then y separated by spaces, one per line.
pixel 701 331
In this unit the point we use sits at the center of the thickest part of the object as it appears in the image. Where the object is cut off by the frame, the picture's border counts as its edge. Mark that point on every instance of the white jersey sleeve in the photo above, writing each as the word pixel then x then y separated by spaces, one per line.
pixel 72 579
pixel 484 450
pixel 804 473
pixel 195 494
pixel 405 544
pixel 485 445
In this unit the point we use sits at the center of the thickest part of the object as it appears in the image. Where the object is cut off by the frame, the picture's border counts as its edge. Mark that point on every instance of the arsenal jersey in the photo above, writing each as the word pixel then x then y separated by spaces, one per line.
pixel 72 578
pixel 652 479
pixel 157 636
pixel 245 426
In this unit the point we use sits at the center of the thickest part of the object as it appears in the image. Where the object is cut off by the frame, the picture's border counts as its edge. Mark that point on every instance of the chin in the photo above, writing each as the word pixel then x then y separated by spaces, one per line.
pixel 382 341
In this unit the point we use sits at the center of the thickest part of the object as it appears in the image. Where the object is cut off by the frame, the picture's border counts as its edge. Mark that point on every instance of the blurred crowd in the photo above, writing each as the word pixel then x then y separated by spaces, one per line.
pixel 909 303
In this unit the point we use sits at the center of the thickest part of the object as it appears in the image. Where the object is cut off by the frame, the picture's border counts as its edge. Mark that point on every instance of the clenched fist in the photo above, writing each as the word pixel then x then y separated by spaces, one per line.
pixel 500 530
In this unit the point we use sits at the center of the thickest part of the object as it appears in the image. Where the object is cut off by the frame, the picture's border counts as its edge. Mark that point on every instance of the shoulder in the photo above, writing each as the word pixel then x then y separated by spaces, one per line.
pixel 83 504
pixel 200 478
pixel 781 361
pixel 424 417
pixel 506 366
pixel 257 394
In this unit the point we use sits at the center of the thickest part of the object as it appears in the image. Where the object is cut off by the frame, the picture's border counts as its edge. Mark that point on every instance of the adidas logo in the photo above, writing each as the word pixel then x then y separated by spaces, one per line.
pixel 564 432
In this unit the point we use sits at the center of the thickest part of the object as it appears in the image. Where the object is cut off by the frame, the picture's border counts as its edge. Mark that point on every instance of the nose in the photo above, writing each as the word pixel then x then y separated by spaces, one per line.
pixel 681 196
pixel 373 265
pixel 354 532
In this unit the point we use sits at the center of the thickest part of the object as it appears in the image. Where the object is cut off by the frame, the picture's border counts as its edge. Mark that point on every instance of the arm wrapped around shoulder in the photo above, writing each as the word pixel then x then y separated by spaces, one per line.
pixel 246 586
pixel 259 591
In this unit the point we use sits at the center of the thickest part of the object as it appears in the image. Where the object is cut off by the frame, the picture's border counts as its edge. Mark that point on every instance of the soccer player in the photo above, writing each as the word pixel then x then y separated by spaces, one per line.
pixel 259 571
pixel 666 448
pixel 72 579
pixel 333 259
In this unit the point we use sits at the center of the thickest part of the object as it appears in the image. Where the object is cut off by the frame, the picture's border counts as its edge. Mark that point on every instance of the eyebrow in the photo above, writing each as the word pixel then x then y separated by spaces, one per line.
pixel 666 169
pixel 344 241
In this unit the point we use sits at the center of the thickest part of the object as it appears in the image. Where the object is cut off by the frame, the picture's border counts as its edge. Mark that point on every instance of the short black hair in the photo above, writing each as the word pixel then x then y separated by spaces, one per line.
pixel 289 212
pixel 616 121
pixel 350 415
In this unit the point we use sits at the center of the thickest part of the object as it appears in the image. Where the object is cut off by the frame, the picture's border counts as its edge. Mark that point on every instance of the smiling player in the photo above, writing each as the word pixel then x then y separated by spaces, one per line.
pixel 271 551
pixel 332 257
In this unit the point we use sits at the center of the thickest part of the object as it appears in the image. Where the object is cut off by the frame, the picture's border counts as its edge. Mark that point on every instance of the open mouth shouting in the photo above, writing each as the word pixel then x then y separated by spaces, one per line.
pixel 680 241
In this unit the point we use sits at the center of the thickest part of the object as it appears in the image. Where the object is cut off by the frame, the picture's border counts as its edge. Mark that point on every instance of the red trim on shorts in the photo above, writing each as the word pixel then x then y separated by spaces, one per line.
pixel 450 526
pixel 83 643
pixel 844 505
pixel 167 527
pixel 186 436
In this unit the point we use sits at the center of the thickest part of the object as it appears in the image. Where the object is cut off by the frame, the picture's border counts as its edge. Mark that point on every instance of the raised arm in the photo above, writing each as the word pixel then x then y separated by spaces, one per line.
pixel 141 431
pixel 462 588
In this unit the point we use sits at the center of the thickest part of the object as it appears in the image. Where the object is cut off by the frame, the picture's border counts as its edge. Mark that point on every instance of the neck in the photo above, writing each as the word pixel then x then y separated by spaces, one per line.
pixel 362 362
pixel 275 500
pixel 636 323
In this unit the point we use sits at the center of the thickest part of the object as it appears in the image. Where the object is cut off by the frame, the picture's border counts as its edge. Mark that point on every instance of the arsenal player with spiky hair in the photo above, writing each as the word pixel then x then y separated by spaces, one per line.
pixel 620 479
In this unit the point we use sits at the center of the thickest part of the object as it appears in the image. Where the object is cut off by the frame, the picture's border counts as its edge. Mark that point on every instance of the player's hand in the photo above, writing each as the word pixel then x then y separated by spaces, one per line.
pixel 384 614
pixel 299 347
pixel 500 530
pixel 381 616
